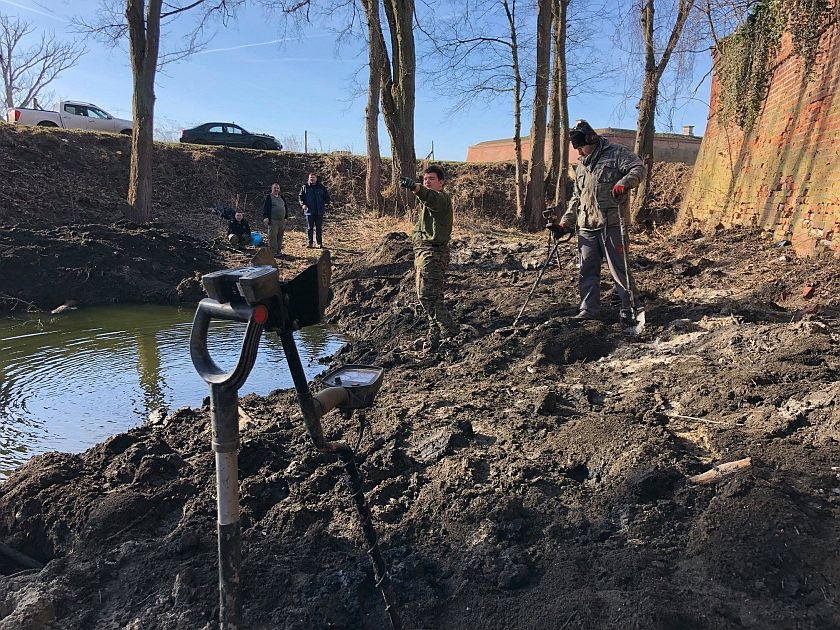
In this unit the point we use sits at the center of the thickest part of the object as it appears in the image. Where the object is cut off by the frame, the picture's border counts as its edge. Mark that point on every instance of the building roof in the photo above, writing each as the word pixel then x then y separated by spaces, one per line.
pixel 604 131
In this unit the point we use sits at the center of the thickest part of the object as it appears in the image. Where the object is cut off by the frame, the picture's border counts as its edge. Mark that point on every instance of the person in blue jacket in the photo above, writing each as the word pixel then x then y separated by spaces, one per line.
pixel 314 200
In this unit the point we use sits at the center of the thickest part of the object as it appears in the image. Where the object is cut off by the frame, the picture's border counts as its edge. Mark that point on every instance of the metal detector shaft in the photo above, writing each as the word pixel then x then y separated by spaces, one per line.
pixel 551 255
pixel 224 418
pixel 313 408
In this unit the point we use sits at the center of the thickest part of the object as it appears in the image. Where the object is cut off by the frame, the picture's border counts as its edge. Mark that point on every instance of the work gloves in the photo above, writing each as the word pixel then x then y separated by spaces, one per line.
pixel 407 182
pixel 558 229
pixel 618 190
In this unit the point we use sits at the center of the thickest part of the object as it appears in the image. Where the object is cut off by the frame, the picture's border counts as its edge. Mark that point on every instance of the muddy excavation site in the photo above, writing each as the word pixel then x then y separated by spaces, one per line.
pixel 559 474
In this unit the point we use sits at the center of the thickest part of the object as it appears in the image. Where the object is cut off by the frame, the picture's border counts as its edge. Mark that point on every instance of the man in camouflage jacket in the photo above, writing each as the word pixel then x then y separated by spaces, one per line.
pixel 603 176
pixel 431 251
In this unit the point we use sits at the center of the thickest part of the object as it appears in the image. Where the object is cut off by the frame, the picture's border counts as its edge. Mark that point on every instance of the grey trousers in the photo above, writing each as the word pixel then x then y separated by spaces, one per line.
pixel 276 229
pixel 593 245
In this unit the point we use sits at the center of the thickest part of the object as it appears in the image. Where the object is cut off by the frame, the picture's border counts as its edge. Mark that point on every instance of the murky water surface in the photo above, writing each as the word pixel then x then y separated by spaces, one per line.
pixel 69 381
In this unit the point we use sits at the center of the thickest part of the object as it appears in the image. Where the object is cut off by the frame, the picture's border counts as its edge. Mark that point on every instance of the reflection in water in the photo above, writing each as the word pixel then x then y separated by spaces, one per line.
pixel 148 366
pixel 67 382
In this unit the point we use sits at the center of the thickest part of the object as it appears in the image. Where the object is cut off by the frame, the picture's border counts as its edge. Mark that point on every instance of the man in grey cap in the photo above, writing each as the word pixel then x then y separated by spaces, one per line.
pixel 603 176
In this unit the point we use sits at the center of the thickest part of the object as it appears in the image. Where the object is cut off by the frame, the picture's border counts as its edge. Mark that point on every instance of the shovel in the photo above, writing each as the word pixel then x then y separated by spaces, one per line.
pixel 637 325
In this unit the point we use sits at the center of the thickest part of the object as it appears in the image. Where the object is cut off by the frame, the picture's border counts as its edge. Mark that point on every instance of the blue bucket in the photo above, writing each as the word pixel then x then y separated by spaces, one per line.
pixel 256 238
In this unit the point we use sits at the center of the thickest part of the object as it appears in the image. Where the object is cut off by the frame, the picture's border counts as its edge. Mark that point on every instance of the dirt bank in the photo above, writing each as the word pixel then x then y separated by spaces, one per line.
pixel 518 479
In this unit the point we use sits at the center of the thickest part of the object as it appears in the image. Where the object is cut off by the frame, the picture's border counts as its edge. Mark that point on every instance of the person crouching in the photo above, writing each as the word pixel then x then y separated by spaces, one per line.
pixel 239 232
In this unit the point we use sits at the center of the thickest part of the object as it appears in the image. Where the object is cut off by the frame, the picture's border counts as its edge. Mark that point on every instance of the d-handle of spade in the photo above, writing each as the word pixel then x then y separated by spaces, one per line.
pixel 224 417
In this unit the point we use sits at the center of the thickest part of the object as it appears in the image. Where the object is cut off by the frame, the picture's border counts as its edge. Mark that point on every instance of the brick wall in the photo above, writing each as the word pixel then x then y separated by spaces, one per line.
pixel 784 176
pixel 667 147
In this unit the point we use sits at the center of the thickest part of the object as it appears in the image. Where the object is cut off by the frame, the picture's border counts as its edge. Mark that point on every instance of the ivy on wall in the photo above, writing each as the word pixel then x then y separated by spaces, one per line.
pixel 745 58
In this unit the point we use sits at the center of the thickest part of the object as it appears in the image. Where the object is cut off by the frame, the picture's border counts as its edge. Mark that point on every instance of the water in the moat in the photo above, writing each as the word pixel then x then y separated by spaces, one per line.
pixel 69 381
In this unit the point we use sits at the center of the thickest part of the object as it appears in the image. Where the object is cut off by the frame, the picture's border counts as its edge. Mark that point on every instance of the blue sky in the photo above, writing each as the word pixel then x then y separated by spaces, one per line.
pixel 252 75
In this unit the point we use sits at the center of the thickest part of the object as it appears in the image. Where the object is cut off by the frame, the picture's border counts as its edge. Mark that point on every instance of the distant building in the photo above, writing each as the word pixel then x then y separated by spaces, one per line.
pixel 667 147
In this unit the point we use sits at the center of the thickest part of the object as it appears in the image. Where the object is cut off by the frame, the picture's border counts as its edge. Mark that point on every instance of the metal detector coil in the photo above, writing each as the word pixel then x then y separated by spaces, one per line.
pixel 362 383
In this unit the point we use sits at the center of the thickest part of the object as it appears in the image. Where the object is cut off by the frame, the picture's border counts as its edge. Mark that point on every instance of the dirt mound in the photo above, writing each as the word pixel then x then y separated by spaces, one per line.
pixel 531 477
pixel 95 264
pixel 517 478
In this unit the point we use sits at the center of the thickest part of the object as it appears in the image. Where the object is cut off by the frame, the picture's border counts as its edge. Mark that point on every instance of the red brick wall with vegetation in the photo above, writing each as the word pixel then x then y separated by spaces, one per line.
pixel 784 175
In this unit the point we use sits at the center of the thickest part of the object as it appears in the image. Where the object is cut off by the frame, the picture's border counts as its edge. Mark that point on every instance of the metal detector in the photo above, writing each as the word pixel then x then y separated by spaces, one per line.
pixel 553 244
pixel 255 295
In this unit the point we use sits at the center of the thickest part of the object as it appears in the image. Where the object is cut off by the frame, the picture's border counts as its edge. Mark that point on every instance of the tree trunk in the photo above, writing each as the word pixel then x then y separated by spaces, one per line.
pixel 144 35
pixel 535 194
pixel 646 125
pixel 558 128
pixel 398 89
pixel 510 12
pixel 373 183
pixel 645 133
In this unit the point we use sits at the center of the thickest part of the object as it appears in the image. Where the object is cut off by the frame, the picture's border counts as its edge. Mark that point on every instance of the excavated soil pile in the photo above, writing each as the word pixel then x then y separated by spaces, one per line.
pixel 540 476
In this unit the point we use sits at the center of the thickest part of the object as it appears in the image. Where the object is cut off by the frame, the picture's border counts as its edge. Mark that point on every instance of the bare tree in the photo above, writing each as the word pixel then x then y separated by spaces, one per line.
pixel 480 53
pixel 398 86
pixel 373 182
pixel 144 38
pixel 558 125
pixel 485 51
pixel 535 191
pixel 392 61
pixel 516 69
pixel 27 71
pixel 142 26
pixel 653 72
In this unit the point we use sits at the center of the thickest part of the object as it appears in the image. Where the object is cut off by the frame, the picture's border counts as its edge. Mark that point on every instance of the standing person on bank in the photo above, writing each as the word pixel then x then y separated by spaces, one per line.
pixel 275 214
pixel 314 199
pixel 431 251
pixel 603 176
pixel 239 232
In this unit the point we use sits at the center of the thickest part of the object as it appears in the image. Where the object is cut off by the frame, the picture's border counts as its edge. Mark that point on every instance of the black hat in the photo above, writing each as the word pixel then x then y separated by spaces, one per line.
pixel 582 134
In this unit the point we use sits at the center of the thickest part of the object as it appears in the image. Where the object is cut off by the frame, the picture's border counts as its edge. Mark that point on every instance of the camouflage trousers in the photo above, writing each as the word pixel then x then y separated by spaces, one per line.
pixel 430 264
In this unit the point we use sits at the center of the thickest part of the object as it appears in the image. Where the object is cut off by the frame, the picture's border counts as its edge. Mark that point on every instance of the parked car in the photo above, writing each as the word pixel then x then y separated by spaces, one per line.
pixel 70 115
pixel 229 135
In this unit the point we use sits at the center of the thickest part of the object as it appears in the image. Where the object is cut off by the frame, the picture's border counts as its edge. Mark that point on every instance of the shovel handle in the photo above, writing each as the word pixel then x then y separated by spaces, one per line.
pixel 208 309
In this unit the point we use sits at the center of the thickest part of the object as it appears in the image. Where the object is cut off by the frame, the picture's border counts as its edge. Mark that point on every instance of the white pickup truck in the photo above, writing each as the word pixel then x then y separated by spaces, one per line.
pixel 70 115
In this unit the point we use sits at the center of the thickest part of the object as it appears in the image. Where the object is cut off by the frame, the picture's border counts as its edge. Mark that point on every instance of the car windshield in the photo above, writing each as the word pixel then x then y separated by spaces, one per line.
pixel 96 113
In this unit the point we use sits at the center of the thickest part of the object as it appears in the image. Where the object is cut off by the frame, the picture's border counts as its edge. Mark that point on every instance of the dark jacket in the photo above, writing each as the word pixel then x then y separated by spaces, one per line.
pixel 267 206
pixel 592 205
pixel 242 230
pixel 315 198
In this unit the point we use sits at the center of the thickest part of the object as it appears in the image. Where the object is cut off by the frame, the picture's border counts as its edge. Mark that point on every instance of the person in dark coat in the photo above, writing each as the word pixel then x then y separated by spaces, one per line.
pixel 604 175
pixel 239 232
pixel 314 200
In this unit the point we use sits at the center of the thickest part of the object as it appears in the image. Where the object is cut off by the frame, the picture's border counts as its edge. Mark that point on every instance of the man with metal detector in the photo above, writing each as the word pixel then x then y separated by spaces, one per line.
pixel 431 251
pixel 599 209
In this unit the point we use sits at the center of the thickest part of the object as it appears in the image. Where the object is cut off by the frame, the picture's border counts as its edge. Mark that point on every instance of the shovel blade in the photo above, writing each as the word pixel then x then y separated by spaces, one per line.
pixel 639 327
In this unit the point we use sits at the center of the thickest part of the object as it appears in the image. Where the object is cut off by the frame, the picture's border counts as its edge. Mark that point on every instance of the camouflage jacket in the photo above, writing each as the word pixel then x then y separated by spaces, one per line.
pixel 593 206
